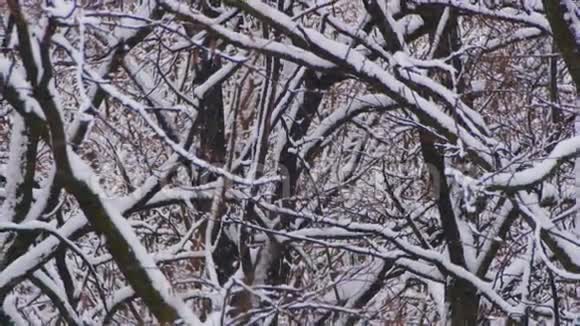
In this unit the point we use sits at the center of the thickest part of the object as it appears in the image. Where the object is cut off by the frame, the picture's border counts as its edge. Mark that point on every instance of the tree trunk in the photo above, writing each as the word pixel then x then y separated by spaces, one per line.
pixel 464 303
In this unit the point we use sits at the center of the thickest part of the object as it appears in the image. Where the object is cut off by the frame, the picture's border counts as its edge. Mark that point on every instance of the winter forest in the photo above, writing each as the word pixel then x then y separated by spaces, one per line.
pixel 289 162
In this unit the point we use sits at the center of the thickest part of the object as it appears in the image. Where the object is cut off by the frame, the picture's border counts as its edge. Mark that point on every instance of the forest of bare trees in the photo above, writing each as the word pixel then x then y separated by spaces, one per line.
pixel 289 162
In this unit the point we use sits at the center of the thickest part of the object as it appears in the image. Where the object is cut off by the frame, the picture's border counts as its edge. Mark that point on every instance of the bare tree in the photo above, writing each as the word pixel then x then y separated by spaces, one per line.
pixel 288 162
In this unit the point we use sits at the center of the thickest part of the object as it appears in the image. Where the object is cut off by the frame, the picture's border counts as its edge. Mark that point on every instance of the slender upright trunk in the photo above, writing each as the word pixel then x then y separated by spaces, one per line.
pixel 559 16
pixel 577 166
pixel 464 303
pixel 461 296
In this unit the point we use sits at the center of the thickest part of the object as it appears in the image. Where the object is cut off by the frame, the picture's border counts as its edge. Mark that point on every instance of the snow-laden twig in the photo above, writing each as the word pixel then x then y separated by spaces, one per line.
pixel 428 255
pixel 565 150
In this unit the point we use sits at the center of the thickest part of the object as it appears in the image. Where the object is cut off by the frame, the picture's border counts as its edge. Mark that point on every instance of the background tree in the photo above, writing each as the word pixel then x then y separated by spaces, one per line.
pixel 288 162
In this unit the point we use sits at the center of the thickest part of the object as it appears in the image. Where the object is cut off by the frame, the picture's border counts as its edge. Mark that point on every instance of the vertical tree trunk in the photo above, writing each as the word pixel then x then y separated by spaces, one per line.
pixel 464 303
pixel 577 164
pixel 559 17
pixel 461 296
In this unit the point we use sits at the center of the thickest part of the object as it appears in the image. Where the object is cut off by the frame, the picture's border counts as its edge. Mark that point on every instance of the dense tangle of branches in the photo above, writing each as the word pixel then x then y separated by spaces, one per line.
pixel 249 162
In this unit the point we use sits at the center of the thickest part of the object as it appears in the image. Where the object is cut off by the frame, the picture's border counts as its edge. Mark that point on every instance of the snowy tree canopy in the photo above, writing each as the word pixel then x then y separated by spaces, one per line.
pixel 289 162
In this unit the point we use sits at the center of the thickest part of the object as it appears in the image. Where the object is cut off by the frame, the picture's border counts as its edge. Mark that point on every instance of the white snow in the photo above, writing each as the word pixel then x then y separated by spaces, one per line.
pixel 60 8
pixel 12 76
pixel 15 169
pixel 159 282
pixel 565 149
